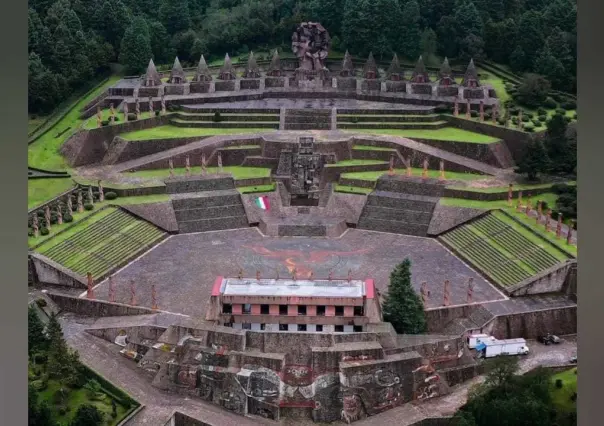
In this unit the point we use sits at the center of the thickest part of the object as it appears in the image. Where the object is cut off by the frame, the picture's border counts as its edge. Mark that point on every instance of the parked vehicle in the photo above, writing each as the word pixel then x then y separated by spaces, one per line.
pixel 491 348
pixel 549 339
pixel 475 339
pixel 573 359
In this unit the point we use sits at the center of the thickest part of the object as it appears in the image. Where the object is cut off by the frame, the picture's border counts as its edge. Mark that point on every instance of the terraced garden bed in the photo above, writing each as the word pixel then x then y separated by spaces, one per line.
pixel 445 134
pixel 502 250
pixel 346 163
pixel 435 174
pixel 352 189
pixel 168 131
pixel 42 190
pixel 238 172
pixel 258 188
pixel 101 243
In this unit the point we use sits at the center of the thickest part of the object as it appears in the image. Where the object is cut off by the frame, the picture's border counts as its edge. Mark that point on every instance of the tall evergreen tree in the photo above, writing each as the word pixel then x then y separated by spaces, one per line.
pixel 87 415
pixel 410 36
pixel 447 34
pixel 468 20
pixel 534 161
pixel 429 45
pixel 36 338
pixel 402 306
pixel 175 15
pixel 111 21
pixel 559 148
pixel 135 51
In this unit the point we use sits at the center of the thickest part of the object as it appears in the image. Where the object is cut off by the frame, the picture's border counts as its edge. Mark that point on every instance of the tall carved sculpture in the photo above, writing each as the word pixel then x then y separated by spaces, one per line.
pixel 310 43
pixel 69 205
pixel 203 164
pixel 171 167
pixel 219 162
pixel 456 108
pixel 125 111
pixel 187 166
pixel 47 217
pixel 137 109
pixel 90 195
pixel 80 202
pixel 163 104
pixel 111 289
pixel 101 192
pixel 35 225
pixel 150 106
pixel 59 214
pixel 442 169
pixel 99 117
pixel 481 111
pixel 510 194
pixel 112 116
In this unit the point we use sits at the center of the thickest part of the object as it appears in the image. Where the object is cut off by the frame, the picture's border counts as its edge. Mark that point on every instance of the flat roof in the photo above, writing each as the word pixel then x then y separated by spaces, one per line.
pixel 291 288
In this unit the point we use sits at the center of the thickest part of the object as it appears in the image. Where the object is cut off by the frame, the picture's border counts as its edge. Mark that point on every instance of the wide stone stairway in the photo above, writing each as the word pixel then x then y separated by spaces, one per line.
pixel 206 203
pixel 401 205
pixel 307 119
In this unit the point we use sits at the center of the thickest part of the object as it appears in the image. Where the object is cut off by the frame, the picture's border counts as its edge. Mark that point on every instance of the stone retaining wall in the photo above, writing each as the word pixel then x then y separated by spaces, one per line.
pixel 551 280
pixel 121 150
pixel 476 151
pixel 490 196
pixel 531 325
pixel 357 182
pixel 96 308
pixel 332 174
pixel 49 272
pixel 253 181
pixel 249 84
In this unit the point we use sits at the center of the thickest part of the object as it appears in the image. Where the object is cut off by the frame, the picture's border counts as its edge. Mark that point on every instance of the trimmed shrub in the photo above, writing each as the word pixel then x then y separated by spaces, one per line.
pixel 536 122
pixel 560 111
pixel 172 107
pixel 44 231
pixel 541 111
pixel 116 118
pixel 217 118
pixel 568 105
pixel 573 397
pixel 41 303
pixel 131 116
pixel 559 383
pixel 514 110
pixel 575 116
pixel 473 114
pixel 528 114
pixel 567 119
pixel 157 113
pixel 563 188
pixel 88 206
pixel 543 117
pixel 525 119
pixel 515 120
pixel 528 128
pixel 487 115
pixel 550 103
pixel 68 218
pixel 105 123
pixel 110 195
pixel 501 121
pixel 30 233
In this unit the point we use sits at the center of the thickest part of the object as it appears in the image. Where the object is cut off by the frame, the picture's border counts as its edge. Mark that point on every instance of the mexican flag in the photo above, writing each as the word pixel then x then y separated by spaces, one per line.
pixel 263 202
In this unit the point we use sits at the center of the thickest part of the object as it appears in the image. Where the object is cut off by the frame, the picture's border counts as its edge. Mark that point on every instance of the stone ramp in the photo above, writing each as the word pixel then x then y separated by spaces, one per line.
pixel 204 204
pixel 159 214
pixel 308 119
pixel 445 218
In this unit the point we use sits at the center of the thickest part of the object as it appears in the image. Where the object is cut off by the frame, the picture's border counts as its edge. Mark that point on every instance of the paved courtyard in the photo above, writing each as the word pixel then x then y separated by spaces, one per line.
pixel 183 268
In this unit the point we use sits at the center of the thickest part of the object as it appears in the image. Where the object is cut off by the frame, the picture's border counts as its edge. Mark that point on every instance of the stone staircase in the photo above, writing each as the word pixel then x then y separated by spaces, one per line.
pixel 204 204
pixel 308 119
pixel 401 205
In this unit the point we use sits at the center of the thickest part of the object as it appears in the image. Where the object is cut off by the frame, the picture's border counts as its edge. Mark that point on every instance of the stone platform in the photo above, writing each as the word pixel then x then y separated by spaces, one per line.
pixel 183 268
pixel 302 226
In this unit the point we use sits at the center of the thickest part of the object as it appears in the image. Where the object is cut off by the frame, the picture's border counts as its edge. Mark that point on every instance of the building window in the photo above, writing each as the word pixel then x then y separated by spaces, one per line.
pixel 247 308
pixel 319 327
pixel 339 311
pixel 301 309
pixel 358 311
pixel 339 328
pixel 228 324
pixel 282 309
pixel 246 326
pixel 227 308
pixel 282 327
pixel 262 326
pixel 357 328
pixel 301 327
pixel 321 310
pixel 264 309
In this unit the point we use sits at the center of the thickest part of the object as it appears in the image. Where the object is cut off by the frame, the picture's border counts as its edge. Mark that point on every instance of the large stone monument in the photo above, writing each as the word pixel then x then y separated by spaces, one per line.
pixel 310 43
pixel 151 81
pixel 202 78
pixel 177 80
pixel 420 79
pixel 471 83
pixel 251 74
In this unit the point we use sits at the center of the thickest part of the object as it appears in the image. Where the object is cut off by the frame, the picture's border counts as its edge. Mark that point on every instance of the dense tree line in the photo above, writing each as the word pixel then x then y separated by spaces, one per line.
pixel 71 41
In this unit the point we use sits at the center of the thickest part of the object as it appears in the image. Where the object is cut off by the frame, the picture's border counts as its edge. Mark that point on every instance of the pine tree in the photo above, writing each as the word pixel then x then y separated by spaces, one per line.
pixel 468 20
pixel 403 307
pixel 409 31
pixel 36 339
pixel 135 50
pixel 429 45
pixel 175 15
pixel 534 161
pixel 63 364
pixel 111 21
pixel 87 415
pixel 558 146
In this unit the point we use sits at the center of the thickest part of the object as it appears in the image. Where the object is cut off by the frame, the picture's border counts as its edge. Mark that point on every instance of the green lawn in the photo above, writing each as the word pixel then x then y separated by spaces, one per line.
pixel 41 190
pixel 44 152
pixel 238 172
pixel 346 163
pixel 447 134
pixel 259 188
pixel 91 123
pixel 34 123
pixel 168 131
pixel 494 189
pixel 352 189
pixel 561 397
pixel 373 176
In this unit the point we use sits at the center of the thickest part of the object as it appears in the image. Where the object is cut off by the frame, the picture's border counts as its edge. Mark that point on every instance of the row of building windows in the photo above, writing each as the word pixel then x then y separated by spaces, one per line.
pixel 301 327
pixel 283 310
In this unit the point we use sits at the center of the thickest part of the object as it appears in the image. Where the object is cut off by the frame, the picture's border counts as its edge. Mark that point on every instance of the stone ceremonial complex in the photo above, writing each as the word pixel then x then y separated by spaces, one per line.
pixel 260 306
